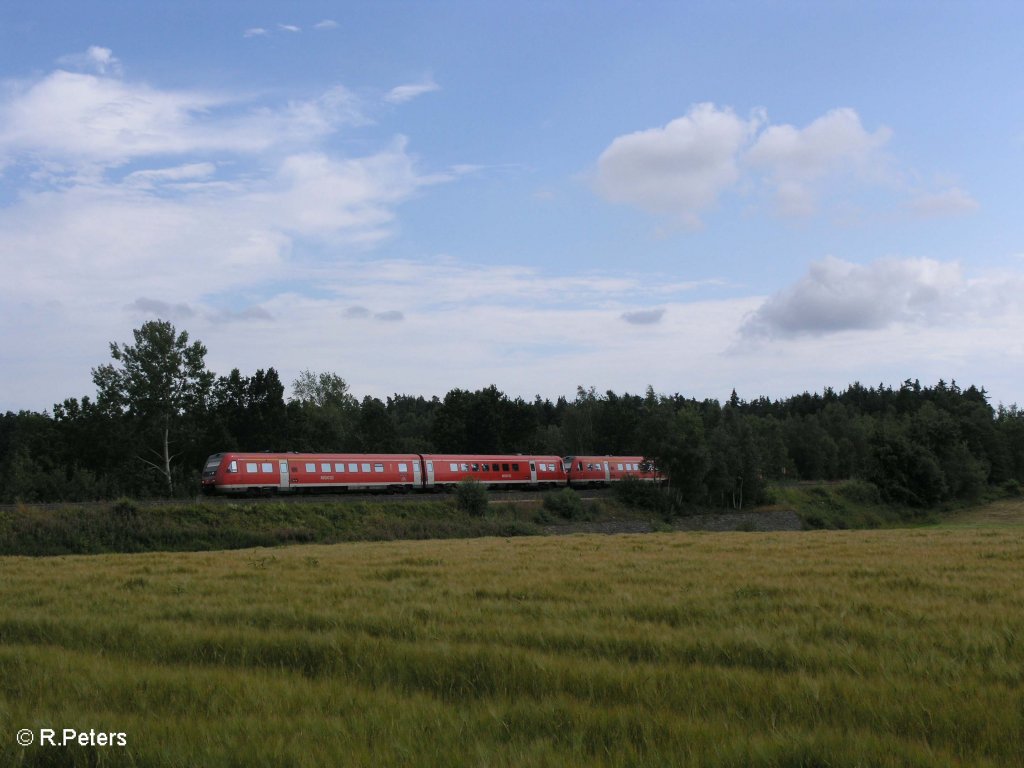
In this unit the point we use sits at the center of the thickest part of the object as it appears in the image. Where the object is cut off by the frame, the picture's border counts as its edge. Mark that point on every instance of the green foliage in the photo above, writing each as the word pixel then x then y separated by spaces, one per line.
pixel 133 526
pixel 471 497
pixel 158 413
pixel 565 503
pixel 643 494
pixel 852 504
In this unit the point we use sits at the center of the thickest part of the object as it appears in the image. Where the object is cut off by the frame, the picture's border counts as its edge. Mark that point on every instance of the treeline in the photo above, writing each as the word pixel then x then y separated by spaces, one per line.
pixel 158 413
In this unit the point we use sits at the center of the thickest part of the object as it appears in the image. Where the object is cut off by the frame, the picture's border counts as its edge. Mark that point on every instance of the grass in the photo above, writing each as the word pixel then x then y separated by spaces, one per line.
pixel 846 504
pixel 129 526
pixel 875 648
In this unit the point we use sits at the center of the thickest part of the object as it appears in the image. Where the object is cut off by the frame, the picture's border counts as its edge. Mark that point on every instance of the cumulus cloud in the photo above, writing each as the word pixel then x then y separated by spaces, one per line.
pixel 255 32
pixel 326 24
pixel 403 93
pixel 797 159
pixel 679 169
pixel 644 316
pixel 837 295
pixel 684 168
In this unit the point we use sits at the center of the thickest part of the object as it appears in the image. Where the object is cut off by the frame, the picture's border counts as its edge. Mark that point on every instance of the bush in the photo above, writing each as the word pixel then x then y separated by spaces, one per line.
pixel 564 503
pixel 860 491
pixel 471 497
pixel 644 494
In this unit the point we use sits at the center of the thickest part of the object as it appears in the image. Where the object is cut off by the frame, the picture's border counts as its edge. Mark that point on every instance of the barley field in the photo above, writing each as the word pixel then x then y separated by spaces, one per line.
pixel 828 648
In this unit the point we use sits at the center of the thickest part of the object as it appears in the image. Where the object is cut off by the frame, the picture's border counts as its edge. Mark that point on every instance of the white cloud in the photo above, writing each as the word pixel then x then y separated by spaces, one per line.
pixel 96 58
pixel 326 24
pixel 187 172
pixel 797 160
pixel 354 197
pixel 77 121
pixel 683 169
pixel 403 93
pixel 680 169
pixel 255 32
pixel 289 28
pixel 948 202
pixel 836 296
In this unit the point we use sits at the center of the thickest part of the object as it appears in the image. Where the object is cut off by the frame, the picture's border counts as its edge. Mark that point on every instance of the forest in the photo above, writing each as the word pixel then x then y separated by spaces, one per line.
pixel 158 412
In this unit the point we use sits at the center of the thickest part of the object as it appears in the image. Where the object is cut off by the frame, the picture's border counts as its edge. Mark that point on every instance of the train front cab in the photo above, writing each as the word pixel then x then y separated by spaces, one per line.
pixel 245 473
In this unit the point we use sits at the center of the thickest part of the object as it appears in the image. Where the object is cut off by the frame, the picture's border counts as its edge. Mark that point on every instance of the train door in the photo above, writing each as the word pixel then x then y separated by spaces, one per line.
pixel 417 475
pixel 607 472
pixel 533 473
pixel 282 484
pixel 430 474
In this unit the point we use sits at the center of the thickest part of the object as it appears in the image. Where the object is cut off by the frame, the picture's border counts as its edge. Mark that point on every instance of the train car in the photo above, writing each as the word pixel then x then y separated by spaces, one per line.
pixel 247 473
pixel 603 470
pixel 446 470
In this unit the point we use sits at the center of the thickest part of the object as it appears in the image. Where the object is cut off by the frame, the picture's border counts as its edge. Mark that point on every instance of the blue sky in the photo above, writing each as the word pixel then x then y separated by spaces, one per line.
pixel 772 197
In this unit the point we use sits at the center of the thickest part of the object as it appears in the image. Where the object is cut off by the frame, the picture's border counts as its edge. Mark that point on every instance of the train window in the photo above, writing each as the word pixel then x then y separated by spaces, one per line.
pixel 403 467
pixel 339 467
pixel 378 467
pixel 453 467
pixel 619 467
pixel 366 467
pixel 515 467
pixel 267 467
pixel 353 467
pixel 250 466
pixel 464 467
pixel 311 467
pixel 485 467
pixel 325 467
pixel 580 465
pixel 504 467
pixel 233 466
pixel 475 467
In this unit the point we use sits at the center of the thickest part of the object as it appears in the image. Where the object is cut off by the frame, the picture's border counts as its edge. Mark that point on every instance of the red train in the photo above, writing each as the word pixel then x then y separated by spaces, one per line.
pixel 325 472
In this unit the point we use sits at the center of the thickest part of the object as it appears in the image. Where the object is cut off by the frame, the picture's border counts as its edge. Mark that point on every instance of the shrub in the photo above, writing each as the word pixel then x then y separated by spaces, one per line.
pixel 564 503
pixel 643 494
pixel 471 497
pixel 860 491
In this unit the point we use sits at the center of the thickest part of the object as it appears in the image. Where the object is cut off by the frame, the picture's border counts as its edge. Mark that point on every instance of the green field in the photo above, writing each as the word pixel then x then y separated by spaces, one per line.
pixel 825 648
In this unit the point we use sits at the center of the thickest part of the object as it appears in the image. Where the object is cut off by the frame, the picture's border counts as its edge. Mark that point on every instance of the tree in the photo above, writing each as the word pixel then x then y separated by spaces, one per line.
pixel 322 412
pixel 158 382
